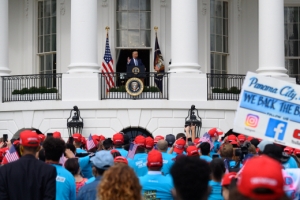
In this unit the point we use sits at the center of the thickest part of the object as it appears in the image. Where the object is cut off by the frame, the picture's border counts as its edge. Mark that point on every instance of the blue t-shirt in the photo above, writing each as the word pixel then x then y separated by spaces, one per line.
pixel 139 164
pixel 156 186
pixel 291 163
pixel 85 166
pixel 123 152
pixel 78 150
pixel 65 184
pixel 216 147
pixel 90 180
pixel 89 191
pixel 216 191
pixel 167 162
pixel 206 158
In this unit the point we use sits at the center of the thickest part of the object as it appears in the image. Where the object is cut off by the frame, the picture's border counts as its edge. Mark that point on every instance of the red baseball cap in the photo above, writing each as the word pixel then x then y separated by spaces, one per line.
pixel 157 138
pixel 234 142
pixel 249 138
pixel 288 150
pixel 179 146
pixel 227 178
pixel 77 137
pixel 192 151
pixel 56 134
pixel 154 159
pixel 214 132
pixel 231 138
pixel 29 139
pixel 96 137
pixel 83 141
pixel 297 152
pixel 242 138
pixel 197 141
pixel 101 138
pixel 149 142
pixel 114 151
pixel 118 138
pixel 140 140
pixel 121 159
pixel 41 137
pixel 17 142
pixel 268 176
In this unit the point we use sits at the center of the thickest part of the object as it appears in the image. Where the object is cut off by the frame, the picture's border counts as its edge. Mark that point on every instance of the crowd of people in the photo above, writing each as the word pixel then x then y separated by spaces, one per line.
pixel 217 166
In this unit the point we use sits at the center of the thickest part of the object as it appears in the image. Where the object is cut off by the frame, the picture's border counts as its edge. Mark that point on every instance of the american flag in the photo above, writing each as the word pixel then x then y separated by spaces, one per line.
pixel 132 150
pixel 90 143
pixel 11 154
pixel 107 66
pixel 206 138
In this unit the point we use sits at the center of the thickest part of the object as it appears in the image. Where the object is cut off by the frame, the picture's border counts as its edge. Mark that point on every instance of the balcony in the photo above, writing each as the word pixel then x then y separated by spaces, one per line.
pixel 155 87
pixel 32 87
pixel 224 86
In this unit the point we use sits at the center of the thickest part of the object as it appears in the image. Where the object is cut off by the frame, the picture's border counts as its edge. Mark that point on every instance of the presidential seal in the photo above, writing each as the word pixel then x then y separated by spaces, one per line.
pixel 134 86
pixel 135 70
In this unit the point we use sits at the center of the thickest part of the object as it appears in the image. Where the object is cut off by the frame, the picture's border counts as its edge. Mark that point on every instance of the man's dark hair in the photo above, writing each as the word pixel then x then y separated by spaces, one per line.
pixel 273 151
pixel 71 147
pixel 217 168
pixel 107 143
pixel 54 148
pixel 205 148
pixel 42 155
pixel 72 165
pixel 179 135
pixel 255 142
pixel 190 177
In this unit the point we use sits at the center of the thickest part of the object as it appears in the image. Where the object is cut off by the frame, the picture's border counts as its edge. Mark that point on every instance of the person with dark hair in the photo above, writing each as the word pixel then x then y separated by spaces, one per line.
pixel 65 182
pixel 255 142
pixel 154 184
pixel 71 147
pixel 118 141
pixel 102 161
pixel 180 135
pixel 72 166
pixel 265 183
pixel 108 144
pixel 205 150
pixel 190 178
pixel 28 177
pixel 217 168
pixel 139 162
pixel 42 155
pixel 115 153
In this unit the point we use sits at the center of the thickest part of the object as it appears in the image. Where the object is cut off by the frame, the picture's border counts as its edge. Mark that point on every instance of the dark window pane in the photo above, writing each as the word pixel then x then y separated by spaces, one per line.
pixel 219 9
pixel 212 42
pixel 219 27
pixel 286 48
pixel 225 27
pixel 47 8
pixel 219 43
pixel 53 8
pixel 47 43
pixel 122 4
pixel 224 63
pixel 212 8
pixel 225 9
pixel 40 29
pixel 225 44
pixel 212 26
pixel 46 25
pixel 122 20
pixel 48 62
pixel 145 20
pixel 41 44
pixel 133 5
pixel 212 61
pixel 293 48
pixel 53 43
pixel 40 9
pixel 42 63
pixel 145 5
pixel 53 25
pixel 145 38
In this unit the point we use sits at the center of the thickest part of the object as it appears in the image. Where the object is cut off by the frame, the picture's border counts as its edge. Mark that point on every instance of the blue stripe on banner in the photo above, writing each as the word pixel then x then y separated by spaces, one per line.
pixel 270 106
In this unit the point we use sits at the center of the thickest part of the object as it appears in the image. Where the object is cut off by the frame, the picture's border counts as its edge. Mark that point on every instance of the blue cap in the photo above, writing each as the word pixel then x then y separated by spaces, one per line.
pixel 102 159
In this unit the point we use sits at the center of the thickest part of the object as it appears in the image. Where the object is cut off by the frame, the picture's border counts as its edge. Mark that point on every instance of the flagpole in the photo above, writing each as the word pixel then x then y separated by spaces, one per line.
pixel 107 29
pixel 155 29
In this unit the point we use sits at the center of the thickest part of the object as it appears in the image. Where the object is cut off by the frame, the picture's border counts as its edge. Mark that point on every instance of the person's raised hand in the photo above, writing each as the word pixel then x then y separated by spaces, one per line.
pixel 128 59
pixel 69 153
pixel 2 144
pixel 156 68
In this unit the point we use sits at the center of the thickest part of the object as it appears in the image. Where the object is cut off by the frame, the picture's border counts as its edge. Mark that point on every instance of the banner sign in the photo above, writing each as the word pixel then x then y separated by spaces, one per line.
pixel 269 109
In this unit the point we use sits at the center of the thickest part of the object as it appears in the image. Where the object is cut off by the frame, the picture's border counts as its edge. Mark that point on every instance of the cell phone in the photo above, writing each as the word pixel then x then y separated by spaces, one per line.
pixel 71 139
pixel 215 156
pixel 49 134
pixel 5 138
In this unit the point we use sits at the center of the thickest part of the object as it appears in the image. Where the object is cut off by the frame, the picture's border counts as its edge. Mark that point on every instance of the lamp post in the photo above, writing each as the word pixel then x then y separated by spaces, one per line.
pixel 75 124
pixel 194 120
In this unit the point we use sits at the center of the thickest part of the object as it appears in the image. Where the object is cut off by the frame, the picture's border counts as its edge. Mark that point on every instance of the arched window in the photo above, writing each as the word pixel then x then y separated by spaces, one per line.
pixel 133 132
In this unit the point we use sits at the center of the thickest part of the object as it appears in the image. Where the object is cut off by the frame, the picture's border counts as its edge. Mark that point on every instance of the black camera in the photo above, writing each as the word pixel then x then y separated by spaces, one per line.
pixel 241 152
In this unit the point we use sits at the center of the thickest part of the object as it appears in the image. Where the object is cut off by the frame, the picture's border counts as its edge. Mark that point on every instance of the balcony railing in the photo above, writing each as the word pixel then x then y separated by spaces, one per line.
pixel 31 87
pixel 155 87
pixel 224 86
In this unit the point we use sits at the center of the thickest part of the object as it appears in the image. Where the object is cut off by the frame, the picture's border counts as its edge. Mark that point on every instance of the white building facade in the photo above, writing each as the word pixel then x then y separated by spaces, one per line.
pixel 196 37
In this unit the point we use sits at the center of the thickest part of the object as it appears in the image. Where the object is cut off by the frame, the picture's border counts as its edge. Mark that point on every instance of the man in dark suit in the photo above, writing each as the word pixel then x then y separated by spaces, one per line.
pixel 135 61
pixel 28 178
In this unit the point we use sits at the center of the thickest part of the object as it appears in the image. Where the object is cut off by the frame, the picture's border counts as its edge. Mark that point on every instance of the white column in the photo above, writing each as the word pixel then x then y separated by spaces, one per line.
pixel 184 42
pixel 271 38
pixel 4 70
pixel 84 51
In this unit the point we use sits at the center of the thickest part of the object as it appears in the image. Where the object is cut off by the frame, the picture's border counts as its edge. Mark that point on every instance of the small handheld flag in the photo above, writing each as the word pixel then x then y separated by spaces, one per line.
pixel 11 154
pixel 90 143
pixel 132 150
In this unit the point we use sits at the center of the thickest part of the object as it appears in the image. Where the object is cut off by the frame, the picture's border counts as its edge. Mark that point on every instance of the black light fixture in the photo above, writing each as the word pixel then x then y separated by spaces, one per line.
pixel 75 125
pixel 192 119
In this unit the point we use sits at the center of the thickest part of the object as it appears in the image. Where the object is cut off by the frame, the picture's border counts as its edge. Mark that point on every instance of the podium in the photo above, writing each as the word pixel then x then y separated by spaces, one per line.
pixel 135 72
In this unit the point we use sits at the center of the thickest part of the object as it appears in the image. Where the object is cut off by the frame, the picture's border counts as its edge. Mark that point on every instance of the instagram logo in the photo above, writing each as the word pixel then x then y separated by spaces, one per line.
pixel 252 120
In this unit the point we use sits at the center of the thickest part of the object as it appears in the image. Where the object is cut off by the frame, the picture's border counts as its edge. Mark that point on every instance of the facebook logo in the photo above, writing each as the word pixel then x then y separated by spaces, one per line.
pixel 276 129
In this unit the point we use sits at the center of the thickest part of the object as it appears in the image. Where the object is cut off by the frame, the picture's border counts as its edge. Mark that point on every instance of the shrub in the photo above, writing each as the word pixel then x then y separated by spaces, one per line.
pixel 35 90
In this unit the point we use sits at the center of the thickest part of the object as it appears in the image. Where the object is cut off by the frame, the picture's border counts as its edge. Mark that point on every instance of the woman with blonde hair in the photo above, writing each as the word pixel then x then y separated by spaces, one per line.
pixel 119 182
